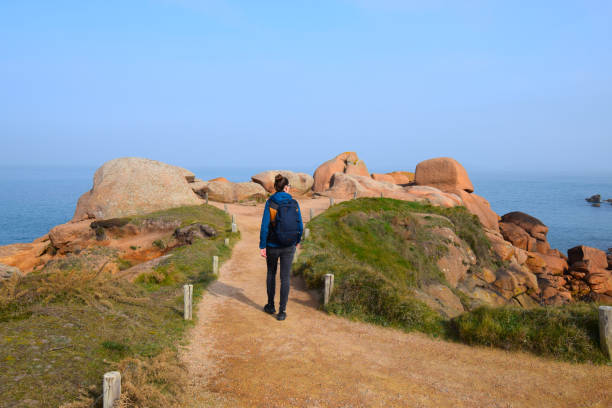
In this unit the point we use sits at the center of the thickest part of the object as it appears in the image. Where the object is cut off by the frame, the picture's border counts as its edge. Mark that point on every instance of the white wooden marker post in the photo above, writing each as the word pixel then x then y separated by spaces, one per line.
pixel 331 201
pixel 111 389
pixel 233 218
pixel 355 195
pixel 306 233
pixel 216 265
pixel 226 242
pixel 329 287
pixel 234 227
pixel 605 330
pixel 187 301
pixel 311 214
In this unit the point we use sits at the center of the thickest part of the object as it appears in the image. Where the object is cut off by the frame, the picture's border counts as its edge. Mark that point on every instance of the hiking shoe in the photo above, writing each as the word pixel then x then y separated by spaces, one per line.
pixel 269 309
pixel 281 316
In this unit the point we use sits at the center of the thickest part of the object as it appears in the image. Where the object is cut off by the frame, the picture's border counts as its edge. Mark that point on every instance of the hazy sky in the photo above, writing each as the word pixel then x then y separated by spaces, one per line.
pixel 525 85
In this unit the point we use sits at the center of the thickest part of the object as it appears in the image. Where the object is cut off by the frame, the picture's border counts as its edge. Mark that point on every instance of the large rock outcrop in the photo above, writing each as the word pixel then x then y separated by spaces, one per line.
pixel 300 183
pixel 131 185
pixel 444 173
pixel 347 162
pixel 228 192
pixel 344 186
pixel 589 275
pixel 448 175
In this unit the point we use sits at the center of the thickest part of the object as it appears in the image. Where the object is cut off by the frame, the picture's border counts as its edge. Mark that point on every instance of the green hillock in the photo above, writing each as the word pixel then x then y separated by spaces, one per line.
pixel 382 252
pixel 62 327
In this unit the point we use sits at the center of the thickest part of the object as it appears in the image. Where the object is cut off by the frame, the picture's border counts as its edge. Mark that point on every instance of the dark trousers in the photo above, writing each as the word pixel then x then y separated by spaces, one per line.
pixel 286 259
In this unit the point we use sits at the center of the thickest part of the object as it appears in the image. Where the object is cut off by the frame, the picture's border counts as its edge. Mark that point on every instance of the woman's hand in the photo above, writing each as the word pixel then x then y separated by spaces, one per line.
pixel 262 252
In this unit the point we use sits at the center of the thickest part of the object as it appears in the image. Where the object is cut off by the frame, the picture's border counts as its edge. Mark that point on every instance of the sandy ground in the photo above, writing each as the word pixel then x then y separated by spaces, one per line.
pixel 239 356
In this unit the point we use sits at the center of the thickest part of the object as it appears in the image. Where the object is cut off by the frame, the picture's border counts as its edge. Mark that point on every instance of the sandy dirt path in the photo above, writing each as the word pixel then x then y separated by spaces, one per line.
pixel 239 356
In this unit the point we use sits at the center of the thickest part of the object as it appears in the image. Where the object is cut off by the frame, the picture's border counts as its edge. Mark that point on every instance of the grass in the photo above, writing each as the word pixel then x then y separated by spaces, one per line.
pixel 382 250
pixel 63 327
pixel 569 332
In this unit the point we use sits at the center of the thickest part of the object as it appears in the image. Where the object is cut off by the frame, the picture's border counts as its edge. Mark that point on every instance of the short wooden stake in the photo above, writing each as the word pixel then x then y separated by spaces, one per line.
pixel 233 218
pixel 216 265
pixel 226 242
pixel 306 233
pixel 206 197
pixel 605 330
pixel 311 214
pixel 329 287
pixel 234 227
pixel 331 201
pixel 355 195
pixel 111 389
pixel 187 301
pixel 381 194
pixel 225 207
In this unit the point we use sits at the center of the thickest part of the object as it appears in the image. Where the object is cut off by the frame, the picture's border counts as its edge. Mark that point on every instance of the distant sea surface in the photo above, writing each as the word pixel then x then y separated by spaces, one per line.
pixel 35 199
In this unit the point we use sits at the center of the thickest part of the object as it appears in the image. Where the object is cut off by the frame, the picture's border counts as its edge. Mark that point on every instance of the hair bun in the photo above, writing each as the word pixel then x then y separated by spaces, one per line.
pixel 278 177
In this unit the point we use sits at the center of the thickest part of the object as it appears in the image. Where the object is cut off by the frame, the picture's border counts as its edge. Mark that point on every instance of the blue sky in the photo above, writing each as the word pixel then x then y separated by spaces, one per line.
pixel 520 85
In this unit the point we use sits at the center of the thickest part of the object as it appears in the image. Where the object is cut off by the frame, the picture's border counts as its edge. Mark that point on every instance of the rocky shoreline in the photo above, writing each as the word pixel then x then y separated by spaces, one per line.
pixel 533 272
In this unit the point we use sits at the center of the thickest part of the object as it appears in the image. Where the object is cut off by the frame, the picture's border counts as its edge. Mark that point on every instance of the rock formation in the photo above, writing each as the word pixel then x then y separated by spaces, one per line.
pixel 590 274
pixel 228 192
pixel 344 186
pixel 346 162
pixel 448 175
pixel 129 186
pixel 594 199
pixel 299 183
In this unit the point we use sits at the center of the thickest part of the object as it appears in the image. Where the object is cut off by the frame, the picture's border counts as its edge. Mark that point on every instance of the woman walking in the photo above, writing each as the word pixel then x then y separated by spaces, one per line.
pixel 281 231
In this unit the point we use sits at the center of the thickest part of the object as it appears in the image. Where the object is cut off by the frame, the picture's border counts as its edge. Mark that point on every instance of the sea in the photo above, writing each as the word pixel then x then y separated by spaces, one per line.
pixel 33 199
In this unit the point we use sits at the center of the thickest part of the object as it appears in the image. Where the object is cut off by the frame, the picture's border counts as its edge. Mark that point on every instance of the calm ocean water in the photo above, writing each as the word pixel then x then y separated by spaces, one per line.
pixel 34 199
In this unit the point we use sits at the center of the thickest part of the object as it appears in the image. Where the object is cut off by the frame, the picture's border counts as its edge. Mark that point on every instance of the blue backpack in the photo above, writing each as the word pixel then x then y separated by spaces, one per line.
pixel 286 226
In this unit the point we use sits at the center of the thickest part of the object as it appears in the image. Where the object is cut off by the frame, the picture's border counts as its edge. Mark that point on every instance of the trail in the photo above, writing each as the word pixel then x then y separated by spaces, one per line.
pixel 238 356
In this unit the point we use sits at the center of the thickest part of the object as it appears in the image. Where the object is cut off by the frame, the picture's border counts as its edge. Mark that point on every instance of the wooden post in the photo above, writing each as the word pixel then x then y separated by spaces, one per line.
pixel 111 389
pixel 226 242
pixel 206 197
pixel 329 287
pixel 225 207
pixel 355 195
pixel 306 233
pixel 331 201
pixel 233 218
pixel 234 227
pixel 381 194
pixel 605 330
pixel 311 214
pixel 216 265
pixel 187 301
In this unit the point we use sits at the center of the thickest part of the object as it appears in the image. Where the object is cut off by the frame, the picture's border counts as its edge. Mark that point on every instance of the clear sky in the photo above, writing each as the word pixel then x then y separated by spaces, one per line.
pixel 523 85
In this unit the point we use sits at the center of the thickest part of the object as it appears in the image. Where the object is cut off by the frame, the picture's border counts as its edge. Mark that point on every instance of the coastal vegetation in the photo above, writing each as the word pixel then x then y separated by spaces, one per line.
pixel 384 254
pixel 62 327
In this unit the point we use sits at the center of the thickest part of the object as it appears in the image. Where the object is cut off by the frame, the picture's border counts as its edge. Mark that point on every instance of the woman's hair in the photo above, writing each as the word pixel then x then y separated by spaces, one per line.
pixel 280 182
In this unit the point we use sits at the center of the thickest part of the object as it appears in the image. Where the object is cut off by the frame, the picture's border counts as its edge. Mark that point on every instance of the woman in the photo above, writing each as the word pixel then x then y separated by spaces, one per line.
pixel 281 232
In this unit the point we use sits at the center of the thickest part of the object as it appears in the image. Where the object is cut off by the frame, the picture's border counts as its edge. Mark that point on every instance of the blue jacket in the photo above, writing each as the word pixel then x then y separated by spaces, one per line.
pixel 267 219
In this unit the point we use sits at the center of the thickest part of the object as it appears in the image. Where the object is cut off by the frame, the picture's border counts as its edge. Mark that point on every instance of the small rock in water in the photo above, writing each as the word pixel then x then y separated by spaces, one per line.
pixel 594 198
pixel 596 205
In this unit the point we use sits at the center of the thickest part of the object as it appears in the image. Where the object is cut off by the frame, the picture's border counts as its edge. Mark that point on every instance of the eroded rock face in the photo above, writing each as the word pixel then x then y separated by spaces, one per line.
pixel 588 276
pixel 444 173
pixel 383 177
pixel 227 192
pixel 533 226
pixel 347 162
pixel 188 234
pixel 130 186
pixel 300 183
pixel 344 186
pixel 402 177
